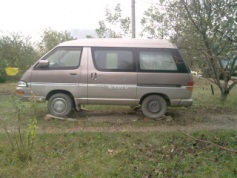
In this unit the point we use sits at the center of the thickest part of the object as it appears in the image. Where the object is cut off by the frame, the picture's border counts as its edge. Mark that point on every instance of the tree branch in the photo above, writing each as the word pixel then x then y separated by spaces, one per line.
pixel 208 142
pixel 190 16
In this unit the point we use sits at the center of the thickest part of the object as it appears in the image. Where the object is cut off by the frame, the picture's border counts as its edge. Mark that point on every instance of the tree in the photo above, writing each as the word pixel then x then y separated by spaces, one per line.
pixel 89 36
pixel 115 26
pixel 16 50
pixel 206 30
pixel 215 23
pixel 163 20
pixel 51 38
pixel 155 23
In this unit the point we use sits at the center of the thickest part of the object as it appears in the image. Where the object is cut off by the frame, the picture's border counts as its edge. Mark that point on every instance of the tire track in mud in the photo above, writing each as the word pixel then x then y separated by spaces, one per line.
pixel 127 123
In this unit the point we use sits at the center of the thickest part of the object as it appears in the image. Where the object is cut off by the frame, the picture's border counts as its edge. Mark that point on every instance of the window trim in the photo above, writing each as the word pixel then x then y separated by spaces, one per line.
pixel 60 68
pixel 174 53
pixel 134 65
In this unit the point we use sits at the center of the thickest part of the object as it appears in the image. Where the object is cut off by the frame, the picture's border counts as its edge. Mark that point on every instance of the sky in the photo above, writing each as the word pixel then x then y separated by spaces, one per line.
pixel 31 17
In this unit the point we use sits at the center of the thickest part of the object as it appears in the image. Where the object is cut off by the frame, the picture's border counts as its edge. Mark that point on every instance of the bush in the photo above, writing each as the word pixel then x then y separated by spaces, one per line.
pixel 3 76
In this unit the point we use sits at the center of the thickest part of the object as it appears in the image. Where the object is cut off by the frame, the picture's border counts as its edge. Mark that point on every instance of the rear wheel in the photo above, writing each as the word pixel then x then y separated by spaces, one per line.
pixel 60 105
pixel 154 106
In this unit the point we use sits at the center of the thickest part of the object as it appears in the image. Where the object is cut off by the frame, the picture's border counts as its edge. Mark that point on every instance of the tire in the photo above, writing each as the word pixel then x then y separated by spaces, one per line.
pixel 60 105
pixel 154 106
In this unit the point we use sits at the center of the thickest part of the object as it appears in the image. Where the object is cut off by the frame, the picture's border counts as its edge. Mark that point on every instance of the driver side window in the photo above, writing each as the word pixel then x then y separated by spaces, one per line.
pixel 64 58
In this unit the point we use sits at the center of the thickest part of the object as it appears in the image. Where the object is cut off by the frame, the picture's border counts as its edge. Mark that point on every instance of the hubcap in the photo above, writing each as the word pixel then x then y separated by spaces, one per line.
pixel 154 106
pixel 59 105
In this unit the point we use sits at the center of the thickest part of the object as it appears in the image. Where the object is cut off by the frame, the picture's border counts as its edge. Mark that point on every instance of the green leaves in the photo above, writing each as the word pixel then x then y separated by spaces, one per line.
pixel 16 50
pixel 51 38
pixel 114 25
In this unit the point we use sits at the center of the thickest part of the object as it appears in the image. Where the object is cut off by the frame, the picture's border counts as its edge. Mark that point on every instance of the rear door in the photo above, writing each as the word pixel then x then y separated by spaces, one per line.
pixel 164 72
pixel 112 76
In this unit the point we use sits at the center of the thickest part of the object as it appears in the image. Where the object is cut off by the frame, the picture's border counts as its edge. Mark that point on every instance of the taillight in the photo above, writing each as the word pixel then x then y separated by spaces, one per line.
pixel 190 86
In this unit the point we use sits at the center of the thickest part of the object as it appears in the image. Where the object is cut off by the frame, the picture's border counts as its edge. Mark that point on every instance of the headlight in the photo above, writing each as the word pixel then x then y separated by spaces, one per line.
pixel 22 84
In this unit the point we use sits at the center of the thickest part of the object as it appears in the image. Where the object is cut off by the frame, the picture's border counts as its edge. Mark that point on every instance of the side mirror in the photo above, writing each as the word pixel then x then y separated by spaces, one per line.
pixel 43 64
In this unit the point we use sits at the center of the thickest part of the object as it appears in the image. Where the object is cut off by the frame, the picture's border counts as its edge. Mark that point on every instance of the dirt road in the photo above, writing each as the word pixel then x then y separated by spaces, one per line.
pixel 125 121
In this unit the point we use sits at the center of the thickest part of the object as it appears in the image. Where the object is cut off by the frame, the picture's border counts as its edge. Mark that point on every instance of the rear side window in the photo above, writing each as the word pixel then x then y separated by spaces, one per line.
pixel 161 60
pixel 111 59
pixel 156 61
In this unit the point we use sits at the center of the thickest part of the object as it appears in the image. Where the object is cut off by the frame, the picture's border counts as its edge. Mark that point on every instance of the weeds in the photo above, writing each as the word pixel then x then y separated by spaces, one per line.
pixel 22 141
pixel 67 152
pixel 127 154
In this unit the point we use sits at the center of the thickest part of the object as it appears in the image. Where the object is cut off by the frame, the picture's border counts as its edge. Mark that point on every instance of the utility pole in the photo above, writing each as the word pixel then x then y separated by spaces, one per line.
pixel 133 19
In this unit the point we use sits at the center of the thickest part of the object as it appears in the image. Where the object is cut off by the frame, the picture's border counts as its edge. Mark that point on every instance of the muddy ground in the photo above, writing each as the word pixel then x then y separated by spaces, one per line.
pixel 187 120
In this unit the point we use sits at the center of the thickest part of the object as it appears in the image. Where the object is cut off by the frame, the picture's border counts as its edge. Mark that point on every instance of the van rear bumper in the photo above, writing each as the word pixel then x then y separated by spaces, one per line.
pixel 181 102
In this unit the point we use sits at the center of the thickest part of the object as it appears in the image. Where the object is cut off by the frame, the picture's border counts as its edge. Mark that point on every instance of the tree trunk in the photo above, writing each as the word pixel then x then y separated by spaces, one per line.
pixel 224 96
pixel 225 90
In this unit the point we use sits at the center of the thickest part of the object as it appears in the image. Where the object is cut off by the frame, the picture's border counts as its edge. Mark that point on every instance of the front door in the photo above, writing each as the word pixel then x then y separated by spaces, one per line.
pixel 62 73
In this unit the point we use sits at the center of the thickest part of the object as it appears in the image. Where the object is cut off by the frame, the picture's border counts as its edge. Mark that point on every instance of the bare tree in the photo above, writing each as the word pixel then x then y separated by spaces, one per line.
pixel 215 22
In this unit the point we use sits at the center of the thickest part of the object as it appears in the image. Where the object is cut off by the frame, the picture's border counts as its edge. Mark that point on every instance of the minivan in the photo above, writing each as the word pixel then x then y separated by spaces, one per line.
pixel 145 72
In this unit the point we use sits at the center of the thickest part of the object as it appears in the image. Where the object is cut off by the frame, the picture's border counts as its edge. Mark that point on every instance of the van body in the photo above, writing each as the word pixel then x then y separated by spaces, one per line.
pixel 150 73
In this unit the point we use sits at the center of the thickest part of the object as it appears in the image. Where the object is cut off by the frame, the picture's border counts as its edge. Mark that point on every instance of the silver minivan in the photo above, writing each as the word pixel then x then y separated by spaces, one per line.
pixel 145 72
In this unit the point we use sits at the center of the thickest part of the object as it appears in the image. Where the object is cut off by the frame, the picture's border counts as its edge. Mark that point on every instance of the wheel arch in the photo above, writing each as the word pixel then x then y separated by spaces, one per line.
pixel 51 93
pixel 159 94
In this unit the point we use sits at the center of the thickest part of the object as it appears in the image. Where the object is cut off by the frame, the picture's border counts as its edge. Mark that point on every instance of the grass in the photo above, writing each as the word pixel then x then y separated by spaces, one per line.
pixel 59 151
pixel 124 155
pixel 204 105
pixel 204 98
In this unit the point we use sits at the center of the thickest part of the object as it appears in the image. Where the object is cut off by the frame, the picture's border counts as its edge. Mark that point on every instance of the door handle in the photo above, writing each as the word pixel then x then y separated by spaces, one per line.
pixel 94 76
pixel 73 73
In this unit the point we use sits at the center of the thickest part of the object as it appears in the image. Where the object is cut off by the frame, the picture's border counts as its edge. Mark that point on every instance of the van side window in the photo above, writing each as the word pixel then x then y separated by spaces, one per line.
pixel 110 59
pixel 157 61
pixel 64 58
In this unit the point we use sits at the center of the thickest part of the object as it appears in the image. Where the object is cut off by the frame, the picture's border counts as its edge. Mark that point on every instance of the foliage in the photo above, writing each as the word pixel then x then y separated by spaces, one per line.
pixel 114 26
pixel 51 38
pixel 205 104
pixel 89 36
pixel 68 149
pixel 22 142
pixel 16 50
pixel 3 75
pixel 127 154
pixel 205 30
pixel 156 23
pixel 215 23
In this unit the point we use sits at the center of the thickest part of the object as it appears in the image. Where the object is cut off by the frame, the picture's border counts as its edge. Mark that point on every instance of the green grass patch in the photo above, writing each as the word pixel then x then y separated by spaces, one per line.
pixel 204 105
pixel 68 153
pixel 125 154
pixel 204 98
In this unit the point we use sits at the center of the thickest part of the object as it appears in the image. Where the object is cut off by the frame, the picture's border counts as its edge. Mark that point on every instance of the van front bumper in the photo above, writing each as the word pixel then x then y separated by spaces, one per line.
pixel 26 94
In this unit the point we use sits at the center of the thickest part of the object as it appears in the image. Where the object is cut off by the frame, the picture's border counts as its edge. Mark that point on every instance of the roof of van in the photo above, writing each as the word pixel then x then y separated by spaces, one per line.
pixel 119 42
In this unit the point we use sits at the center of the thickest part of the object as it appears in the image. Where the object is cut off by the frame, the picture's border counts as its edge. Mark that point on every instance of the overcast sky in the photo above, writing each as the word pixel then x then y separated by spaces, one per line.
pixel 32 16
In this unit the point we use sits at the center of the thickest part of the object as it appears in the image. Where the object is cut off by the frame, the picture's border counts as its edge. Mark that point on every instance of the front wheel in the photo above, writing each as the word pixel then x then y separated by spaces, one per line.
pixel 60 105
pixel 154 106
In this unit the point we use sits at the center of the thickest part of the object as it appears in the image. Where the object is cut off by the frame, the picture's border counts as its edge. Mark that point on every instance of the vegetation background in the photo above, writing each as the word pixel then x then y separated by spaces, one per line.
pixel 114 141
pixel 205 31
